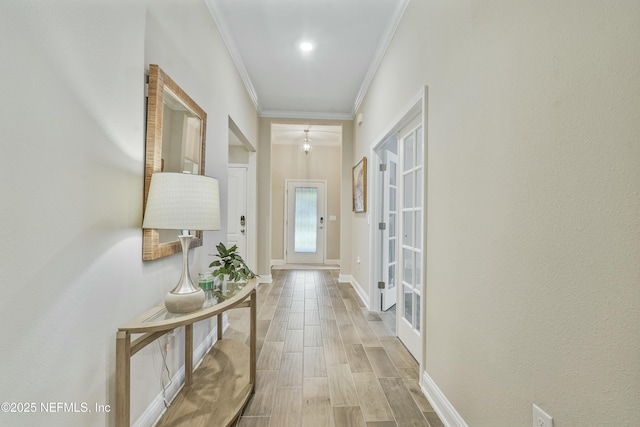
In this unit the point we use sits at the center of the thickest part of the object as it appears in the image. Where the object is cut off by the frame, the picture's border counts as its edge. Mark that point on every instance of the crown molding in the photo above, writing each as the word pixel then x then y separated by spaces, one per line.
pixel 277 114
pixel 382 49
pixel 234 52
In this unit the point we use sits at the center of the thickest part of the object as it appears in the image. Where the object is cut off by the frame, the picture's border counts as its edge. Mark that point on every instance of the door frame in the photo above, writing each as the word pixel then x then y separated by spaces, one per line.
pixel 246 203
pixel 416 107
pixel 286 216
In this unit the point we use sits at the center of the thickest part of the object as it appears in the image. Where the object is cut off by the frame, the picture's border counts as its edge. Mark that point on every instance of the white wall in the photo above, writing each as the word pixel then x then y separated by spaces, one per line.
pixel 72 162
pixel 533 248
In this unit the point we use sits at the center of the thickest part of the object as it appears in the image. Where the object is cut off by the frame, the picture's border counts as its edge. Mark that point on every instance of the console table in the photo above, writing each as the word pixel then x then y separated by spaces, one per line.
pixel 224 381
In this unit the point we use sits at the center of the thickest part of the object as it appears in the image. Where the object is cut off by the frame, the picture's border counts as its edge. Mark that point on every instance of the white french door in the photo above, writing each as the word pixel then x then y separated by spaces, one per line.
pixel 305 222
pixel 411 245
pixel 237 209
pixel 390 231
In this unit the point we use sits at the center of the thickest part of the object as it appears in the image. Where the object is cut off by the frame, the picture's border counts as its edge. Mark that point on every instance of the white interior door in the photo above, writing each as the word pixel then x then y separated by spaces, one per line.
pixel 237 210
pixel 305 222
pixel 390 231
pixel 411 245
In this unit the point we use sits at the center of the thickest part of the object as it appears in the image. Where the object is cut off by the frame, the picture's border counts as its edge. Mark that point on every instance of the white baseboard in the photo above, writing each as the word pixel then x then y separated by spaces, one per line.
pixel 345 278
pixel 278 262
pixel 361 293
pixel 154 411
pixel 264 279
pixel 445 410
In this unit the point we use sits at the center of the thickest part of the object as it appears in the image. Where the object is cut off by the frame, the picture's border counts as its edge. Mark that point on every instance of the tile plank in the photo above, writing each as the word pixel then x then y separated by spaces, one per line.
pixel 341 386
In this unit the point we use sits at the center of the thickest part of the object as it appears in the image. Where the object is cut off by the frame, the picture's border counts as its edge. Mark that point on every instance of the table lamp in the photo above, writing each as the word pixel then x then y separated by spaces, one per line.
pixel 182 201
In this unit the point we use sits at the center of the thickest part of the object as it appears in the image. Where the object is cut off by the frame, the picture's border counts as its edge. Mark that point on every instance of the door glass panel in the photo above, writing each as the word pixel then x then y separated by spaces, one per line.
pixel 408 266
pixel 408 152
pixel 392 225
pixel 392 250
pixel 392 198
pixel 306 218
pixel 419 188
pixel 419 271
pixel 408 190
pixel 392 176
pixel 407 235
pixel 419 146
pixel 407 296
pixel 418 233
pixel 392 276
pixel 417 319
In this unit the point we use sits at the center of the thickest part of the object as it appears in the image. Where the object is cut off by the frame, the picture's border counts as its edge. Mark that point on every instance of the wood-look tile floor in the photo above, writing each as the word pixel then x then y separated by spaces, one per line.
pixel 325 360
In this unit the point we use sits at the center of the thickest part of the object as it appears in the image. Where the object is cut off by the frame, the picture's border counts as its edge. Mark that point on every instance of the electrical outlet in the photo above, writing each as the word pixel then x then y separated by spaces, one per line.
pixel 541 418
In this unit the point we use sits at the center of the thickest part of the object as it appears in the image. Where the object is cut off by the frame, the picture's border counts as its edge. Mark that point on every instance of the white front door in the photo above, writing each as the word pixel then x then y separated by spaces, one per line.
pixel 237 210
pixel 411 247
pixel 305 222
pixel 390 231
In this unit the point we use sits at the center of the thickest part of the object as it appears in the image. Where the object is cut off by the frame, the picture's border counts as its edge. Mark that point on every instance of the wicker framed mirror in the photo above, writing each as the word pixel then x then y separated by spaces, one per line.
pixel 175 142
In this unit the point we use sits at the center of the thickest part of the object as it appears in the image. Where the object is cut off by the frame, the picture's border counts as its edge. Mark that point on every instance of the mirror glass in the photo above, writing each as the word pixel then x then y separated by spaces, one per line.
pixel 176 128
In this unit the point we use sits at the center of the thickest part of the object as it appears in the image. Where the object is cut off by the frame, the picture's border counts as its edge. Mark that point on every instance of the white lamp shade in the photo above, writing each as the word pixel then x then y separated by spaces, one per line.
pixel 180 201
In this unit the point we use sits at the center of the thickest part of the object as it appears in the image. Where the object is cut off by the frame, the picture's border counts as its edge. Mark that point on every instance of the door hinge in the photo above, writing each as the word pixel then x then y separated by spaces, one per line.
pixel 382 226
pixel 383 167
pixel 381 285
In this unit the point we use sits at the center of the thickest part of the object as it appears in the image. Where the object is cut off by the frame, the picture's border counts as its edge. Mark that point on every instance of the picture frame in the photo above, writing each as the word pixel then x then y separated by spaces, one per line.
pixel 359 180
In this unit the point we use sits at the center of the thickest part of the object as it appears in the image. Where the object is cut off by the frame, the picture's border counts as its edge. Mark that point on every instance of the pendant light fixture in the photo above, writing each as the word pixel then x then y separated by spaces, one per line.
pixel 306 147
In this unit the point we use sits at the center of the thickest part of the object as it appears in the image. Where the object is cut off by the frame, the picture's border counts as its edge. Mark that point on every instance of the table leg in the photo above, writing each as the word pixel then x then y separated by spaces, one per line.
pixel 188 355
pixel 123 378
pixel 252 339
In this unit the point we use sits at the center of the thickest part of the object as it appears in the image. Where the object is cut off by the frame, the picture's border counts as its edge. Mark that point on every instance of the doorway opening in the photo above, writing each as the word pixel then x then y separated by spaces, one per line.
pixel 241 196
pixel 398 228
pixel 306 190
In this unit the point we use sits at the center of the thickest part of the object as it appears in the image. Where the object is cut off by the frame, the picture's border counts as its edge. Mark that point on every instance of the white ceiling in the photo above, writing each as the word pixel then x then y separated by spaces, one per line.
pixel 350 37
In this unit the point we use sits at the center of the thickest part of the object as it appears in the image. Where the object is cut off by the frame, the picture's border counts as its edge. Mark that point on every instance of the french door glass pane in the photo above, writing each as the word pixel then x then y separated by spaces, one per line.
pixel 418 233
pixel 408 190
pixel 407 236
pixel 417 319
pixel 408 152
pixel 392 225
pixel 419 146
pixel 419 188
pixel 392 176
pixel 419 271
pixel 392 198
pixel 392 250
pixel 392 276
pixel 306 218
pixel 407 295
pixel 408 266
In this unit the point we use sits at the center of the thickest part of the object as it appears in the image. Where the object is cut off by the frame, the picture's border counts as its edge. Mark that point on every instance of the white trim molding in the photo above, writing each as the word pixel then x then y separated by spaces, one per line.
pixel 234 53
pixel 264 279
pixel 385 40
pixel 445 410
pixel 315 115
pixel 347 278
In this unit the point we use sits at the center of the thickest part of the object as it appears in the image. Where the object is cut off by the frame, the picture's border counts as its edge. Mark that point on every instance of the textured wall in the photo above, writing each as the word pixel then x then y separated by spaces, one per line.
pixel 533 249
pixel 72 132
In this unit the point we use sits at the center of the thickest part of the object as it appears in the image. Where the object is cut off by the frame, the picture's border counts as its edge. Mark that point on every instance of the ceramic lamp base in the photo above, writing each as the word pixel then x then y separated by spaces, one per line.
pixel 184 303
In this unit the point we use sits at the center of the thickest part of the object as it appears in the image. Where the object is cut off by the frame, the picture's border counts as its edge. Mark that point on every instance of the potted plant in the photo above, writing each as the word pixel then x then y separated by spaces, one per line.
pixel 230 266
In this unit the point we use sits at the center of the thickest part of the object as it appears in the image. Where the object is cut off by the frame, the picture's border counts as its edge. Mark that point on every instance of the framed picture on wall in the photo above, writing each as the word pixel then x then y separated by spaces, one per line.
pixel 359 176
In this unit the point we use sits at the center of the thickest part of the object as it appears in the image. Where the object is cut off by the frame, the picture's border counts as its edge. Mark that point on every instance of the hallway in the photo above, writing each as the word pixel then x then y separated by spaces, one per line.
pixel 325 360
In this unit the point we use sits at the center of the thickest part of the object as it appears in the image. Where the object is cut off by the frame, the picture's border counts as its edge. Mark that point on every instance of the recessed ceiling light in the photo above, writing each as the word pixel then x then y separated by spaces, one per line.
pixel 306 47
